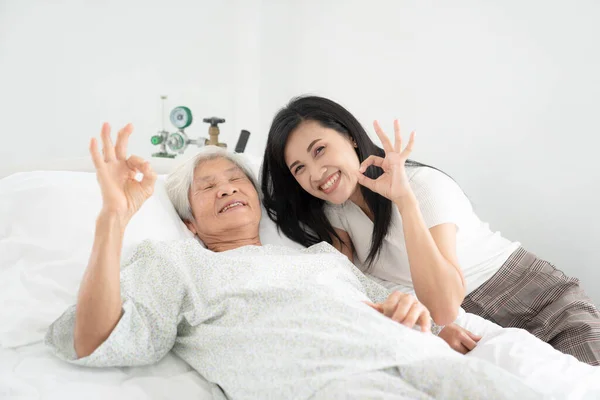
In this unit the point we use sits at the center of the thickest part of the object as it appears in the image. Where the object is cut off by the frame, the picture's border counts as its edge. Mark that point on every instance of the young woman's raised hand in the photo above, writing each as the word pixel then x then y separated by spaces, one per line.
pixel 393 183
pixel 122 194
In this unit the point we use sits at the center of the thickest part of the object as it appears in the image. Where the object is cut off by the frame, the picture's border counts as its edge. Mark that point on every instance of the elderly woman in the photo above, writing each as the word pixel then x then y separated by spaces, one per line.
pixel 260 321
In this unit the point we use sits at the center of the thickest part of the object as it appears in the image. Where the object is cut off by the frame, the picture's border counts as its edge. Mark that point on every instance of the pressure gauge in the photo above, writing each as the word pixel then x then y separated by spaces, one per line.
pixel 177 142
pixel 181 117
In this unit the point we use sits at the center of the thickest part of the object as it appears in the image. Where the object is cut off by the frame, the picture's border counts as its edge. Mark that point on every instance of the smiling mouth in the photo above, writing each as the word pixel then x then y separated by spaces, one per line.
pixel 330 182
pixel 231 206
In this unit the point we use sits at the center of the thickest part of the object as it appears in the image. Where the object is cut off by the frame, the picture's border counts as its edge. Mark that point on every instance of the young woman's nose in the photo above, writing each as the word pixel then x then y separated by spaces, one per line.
pixel 317 173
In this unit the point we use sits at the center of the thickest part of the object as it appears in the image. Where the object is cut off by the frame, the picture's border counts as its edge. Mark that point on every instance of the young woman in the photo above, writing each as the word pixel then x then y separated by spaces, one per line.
pixel 323 179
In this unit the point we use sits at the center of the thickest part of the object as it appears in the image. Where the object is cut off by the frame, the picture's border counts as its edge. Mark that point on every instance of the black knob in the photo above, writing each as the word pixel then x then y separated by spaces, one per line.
pixel 213 121
pixel 242 141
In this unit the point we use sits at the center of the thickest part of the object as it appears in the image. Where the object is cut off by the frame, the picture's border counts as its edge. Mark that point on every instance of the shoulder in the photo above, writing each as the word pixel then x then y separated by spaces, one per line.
pixel 324 248
pixel 163 256
pixel 319 248
pixel 427 177
pixel 429 182
pixel 281 249
pixel 163 248
pixel 440 198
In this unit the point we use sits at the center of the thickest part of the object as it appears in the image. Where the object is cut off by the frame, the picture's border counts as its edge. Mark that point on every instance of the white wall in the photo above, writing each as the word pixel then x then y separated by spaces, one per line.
pixel 67 66
pixel 503 94
pixel 508 102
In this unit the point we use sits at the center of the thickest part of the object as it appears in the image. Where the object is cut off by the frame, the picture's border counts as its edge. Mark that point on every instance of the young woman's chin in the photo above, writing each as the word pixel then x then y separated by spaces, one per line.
pixel 339 196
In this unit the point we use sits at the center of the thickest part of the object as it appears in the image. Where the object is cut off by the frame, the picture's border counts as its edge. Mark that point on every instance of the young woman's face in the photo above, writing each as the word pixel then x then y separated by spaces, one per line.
pixel 323 161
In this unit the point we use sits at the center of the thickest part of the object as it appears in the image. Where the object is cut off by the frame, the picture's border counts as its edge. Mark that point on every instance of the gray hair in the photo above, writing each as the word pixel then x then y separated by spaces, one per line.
pixel 179 182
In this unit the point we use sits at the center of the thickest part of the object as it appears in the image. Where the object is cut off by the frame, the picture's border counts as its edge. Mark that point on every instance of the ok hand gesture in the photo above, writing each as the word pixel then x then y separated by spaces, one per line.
pixel 393 183
pixel 122 194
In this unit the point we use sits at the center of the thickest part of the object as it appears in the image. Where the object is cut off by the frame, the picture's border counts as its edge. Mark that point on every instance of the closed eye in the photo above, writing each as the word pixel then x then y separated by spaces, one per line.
pixel 208 187
pixel 242 177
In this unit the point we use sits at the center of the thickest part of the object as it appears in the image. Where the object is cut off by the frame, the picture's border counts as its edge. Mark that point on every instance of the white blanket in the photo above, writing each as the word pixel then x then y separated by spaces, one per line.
pixel 273 322
pixel 555 374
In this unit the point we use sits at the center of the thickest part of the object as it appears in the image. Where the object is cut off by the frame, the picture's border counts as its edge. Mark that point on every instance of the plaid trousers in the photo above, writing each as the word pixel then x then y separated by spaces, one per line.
pixel 531 294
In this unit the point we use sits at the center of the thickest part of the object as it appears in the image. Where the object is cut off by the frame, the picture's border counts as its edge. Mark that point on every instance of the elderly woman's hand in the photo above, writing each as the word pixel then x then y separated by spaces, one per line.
pixel 406 309
pixel 122 194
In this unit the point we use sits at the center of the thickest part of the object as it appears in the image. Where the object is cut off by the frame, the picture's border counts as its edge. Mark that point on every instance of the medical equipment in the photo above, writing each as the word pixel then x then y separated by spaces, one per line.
pixel 173 143
pixel 242 141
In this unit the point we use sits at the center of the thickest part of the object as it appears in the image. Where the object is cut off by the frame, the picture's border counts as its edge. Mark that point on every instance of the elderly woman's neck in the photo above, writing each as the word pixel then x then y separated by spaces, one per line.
pixel 232 242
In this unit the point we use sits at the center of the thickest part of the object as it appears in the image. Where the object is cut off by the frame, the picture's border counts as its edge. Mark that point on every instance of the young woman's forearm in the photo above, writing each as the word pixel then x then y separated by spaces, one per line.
pixel 438 283
pixel 99 301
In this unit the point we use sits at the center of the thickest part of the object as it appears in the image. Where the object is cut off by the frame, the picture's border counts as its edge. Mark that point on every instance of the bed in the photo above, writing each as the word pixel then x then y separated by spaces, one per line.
pixel 47 214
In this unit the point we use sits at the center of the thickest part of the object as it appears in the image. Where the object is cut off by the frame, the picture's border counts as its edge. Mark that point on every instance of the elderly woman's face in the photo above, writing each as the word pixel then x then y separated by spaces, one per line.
pixel 223 200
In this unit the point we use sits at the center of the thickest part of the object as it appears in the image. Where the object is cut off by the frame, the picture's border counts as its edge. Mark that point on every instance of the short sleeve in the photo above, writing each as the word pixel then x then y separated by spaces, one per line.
pixel 153 293
pixel 441 200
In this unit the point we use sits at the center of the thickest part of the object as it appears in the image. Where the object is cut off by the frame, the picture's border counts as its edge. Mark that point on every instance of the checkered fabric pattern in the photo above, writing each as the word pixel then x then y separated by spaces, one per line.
pixel 531 294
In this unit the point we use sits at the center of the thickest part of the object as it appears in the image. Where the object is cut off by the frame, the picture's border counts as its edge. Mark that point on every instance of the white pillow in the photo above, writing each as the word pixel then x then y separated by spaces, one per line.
pixel 47 221
pixel 269 234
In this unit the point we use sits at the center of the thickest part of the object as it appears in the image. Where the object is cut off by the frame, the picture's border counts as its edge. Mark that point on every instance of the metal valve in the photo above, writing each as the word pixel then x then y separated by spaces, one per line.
pixel 175 143
pixel 213 131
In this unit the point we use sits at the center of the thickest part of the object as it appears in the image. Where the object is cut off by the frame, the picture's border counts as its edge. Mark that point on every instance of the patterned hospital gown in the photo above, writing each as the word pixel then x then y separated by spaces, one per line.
pixel 265 322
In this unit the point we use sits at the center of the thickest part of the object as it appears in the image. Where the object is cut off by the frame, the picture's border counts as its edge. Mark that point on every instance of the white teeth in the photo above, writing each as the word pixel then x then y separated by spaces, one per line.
pixel 237 203
pixel 330 182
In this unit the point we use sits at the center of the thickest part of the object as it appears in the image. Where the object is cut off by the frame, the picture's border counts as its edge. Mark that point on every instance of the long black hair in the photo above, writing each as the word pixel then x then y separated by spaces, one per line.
pixel 298 214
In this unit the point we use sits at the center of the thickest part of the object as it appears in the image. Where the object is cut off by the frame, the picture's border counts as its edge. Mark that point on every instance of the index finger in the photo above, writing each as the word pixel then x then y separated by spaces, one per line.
pixel 365 181
pixel 377 307
pixel 390 304
pixel 473 336
pixel 385 140
pixel 371 160
pixel 467 342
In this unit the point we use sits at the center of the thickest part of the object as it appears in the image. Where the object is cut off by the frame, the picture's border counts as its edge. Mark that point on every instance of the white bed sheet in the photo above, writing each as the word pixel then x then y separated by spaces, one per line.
pixel 32 372
pixel 557 375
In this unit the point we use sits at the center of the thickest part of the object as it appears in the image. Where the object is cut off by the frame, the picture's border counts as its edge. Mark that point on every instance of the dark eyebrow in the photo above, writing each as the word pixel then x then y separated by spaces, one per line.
pixel 310 146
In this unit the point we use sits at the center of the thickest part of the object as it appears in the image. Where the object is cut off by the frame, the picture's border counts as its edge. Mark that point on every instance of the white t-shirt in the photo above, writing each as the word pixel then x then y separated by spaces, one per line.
pixel 481 252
